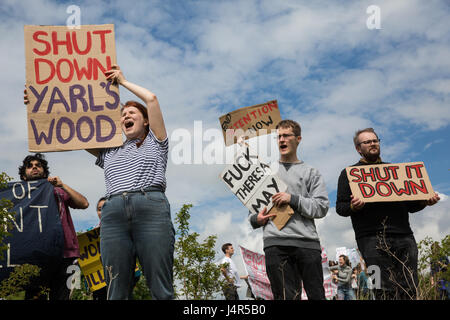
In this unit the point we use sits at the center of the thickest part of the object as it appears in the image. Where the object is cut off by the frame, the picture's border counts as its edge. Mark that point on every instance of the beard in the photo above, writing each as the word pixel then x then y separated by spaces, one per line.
pixel 372 154
pixel 37 176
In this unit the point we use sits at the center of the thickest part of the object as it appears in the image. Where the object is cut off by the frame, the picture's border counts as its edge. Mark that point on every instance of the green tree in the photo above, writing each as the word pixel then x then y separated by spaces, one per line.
pixel 196 273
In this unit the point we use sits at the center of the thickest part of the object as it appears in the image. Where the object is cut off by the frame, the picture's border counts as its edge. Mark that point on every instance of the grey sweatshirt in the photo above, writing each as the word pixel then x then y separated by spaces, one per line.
pixel 309 199
pixel 344 275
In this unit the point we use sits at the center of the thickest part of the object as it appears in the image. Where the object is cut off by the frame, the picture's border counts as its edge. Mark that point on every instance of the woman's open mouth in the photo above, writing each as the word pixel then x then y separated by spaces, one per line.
pixel 128 124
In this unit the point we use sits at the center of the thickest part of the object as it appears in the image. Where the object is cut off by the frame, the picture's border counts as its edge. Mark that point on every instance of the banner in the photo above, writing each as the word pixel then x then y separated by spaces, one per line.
pixel 90 259
pixel 254 184
pixel 72 106
pixel 255 265
pixel 250 121
pixel 37 235
pixel 390 182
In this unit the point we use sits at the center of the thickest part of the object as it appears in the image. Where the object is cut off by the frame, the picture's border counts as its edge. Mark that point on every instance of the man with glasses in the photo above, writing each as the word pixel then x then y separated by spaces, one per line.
pixel 380 225
pixel 293 254
pixel 54 276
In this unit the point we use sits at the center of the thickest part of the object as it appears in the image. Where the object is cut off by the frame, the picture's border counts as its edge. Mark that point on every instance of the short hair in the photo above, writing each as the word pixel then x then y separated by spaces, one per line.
pixel 140 107
pixel 225 247
pixel 357 133
pixel 38 157
pixel 296 129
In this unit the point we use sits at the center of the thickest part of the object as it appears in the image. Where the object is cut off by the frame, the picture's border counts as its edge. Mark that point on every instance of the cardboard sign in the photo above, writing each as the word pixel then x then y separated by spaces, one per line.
pixel 250 121
pixel 90 259
pixel 390 182
pixel 37 235
pixel 72 106
pixel 254 184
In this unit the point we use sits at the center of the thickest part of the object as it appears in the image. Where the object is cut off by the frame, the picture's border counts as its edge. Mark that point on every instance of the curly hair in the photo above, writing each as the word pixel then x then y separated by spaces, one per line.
pixel 26 162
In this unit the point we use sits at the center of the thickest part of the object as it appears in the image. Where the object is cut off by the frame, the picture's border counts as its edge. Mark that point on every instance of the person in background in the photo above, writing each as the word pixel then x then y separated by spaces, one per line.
pixel 54 277
pixel 230 273
pixel 344 278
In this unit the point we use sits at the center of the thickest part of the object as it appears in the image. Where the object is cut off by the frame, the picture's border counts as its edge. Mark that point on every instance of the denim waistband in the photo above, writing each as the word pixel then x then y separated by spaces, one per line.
pixel 141 190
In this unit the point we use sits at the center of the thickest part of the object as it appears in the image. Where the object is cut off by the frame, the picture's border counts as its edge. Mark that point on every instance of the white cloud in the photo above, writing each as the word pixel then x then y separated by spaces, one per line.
pixel 318 59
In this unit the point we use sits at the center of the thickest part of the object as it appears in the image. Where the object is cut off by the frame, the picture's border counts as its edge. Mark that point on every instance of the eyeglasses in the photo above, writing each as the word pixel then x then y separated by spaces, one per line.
pixel 369 142
pixel 285 135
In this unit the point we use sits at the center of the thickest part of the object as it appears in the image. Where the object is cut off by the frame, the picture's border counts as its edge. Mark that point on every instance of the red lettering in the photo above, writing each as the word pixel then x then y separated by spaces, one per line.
pixel 393 170
pixel 265 109
pixel 67 43
pixel 422 188
pixel 88 43
pixel 102 34
pixel 353 173
pixel 416 167
pixel 97 65
pixel 363 187
pixel 83 71
pixel 371 174
pixel 406 190
pixel 386 177
pixel 37 70
pixel 246 118
pixel 47 44
pixel 384 184
pixel 58 70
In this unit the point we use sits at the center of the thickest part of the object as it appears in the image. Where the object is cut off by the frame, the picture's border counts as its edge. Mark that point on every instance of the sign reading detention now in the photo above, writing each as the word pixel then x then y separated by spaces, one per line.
pixel 72 106
pixel 37 235
pixel 390 182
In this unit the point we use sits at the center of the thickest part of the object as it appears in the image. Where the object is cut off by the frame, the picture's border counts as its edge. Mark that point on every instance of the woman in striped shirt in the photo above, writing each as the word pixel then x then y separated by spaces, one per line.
pixel 135 220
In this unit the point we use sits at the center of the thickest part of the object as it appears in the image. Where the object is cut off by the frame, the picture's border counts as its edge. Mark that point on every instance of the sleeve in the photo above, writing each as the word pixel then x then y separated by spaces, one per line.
pixel 415 206
pixel 252 220
pixel 316 204
pixel 343 195
pixel 100 161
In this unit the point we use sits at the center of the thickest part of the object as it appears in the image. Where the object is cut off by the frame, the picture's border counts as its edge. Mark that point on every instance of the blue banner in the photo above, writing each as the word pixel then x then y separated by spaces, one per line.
pixel 37 234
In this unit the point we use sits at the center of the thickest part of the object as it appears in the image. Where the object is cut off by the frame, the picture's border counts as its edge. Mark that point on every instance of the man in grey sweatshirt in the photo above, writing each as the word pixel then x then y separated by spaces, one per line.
pixel 293 254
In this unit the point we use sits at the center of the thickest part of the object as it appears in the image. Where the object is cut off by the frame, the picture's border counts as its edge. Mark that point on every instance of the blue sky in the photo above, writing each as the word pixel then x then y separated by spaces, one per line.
pixel 203 59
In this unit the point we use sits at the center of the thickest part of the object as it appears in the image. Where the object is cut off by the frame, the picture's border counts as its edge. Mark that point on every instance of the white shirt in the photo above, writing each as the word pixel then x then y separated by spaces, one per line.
pixel 231 271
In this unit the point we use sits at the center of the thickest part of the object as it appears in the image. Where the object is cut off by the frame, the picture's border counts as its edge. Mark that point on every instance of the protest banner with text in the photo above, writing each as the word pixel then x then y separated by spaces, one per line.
pixel 90 259
pixel 72 106
pixel 37 235
pixel 255 265
pixel 390 182
pixel 250 121
pixel 254 184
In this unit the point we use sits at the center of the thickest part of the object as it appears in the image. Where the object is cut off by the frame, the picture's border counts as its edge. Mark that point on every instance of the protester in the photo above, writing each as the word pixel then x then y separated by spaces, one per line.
pixel 362 283
pixel 230 273
pixel 293 253
pixel 54 276
pixel 344 279
pixel 387 222
pixel 135 219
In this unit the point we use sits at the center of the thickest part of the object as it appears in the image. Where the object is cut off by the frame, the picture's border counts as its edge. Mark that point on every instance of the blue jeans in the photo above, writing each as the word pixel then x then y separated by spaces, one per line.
pixel 346 293
pixel 137 224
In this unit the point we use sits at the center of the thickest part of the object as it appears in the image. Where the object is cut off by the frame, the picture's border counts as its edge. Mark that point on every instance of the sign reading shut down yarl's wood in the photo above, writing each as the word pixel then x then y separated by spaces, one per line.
pixel 72 106
pixel 390 182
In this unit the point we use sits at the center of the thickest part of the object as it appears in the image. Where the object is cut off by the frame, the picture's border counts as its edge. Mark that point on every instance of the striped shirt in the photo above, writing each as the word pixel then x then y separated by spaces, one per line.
pixel 129 168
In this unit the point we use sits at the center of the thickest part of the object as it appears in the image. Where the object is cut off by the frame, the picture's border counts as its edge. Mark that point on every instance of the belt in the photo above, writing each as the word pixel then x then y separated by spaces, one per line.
pixel 141 190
